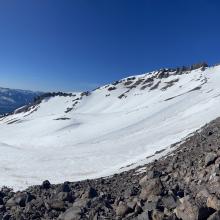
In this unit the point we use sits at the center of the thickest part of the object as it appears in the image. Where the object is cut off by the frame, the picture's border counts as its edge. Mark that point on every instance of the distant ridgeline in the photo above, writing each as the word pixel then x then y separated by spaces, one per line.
pixel 11 99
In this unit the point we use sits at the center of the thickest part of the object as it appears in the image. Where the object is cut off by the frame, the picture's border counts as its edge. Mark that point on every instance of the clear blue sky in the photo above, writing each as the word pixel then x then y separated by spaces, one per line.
pixel 80 44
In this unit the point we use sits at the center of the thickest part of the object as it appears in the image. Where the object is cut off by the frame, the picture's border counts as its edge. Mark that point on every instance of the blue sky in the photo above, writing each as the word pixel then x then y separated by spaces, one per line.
pixel 80 44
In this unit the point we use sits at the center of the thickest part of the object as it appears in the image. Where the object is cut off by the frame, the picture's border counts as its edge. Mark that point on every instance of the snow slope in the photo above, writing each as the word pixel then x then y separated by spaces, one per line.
pixel 96 134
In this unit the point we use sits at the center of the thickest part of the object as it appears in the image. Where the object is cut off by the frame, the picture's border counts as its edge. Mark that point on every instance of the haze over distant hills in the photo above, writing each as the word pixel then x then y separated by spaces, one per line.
pixel 11 99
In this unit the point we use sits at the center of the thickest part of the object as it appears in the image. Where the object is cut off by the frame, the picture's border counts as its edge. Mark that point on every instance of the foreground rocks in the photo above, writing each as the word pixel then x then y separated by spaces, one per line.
pixel 183 185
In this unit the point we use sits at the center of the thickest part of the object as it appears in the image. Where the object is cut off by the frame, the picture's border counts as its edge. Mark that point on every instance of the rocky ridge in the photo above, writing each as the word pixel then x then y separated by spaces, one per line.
pixel 182 185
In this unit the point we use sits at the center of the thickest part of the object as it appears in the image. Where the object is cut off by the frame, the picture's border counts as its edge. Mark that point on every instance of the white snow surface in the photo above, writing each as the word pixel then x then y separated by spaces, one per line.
pixel 103 133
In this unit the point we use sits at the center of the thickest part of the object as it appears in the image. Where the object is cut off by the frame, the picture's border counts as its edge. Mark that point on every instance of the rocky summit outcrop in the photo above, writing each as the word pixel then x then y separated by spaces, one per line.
pixel 182 185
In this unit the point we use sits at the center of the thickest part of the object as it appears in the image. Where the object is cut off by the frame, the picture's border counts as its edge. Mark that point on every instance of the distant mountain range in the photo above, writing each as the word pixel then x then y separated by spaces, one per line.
pixel 11 99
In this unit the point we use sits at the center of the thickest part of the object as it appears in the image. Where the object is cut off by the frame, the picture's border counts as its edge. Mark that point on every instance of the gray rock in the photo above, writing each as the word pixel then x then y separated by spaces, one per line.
pixel 151 187
pixel 210 158
pixel 143 216
pixel 215 216
pixel 169 202
pixel 213 202
pixel 90 193
pixel 57 205
pixel 73 213
pixel 10 203
pixel 131 204
pixel 122 210
pixel 21 199
pixel 65 196
pixel 186 210
pixel 152 203
pixel 157 215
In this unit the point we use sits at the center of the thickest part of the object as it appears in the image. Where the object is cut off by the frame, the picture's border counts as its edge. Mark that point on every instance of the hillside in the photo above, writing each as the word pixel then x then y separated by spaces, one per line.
pixel 183 185
pixel 11 99
pixel 109 130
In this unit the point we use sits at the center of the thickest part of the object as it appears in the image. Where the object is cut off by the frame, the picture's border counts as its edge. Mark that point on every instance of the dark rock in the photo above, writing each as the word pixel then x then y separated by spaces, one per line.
pixel 143 216
pixel 90 193
pixel 210 158
pixel 1 201
pixel 131 191
pixel 2 209
pixel 57 205
pixel 73 213
pixel 180 193
pixel 169 202
pixel 20 199
pixel 111 88
pixel 199 65
pixel 65 187
pixel 204 213
pixel 138 209
pixel 6 216
pixel 215 216
pixel 46 184
pixel 29 197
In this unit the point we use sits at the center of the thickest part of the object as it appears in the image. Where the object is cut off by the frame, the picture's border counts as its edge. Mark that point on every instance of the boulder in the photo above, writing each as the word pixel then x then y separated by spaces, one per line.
pixel 64 187
pixel 152 203
pixel 10 203
pixel 66 196
pixel 57 205
pixel 213 202
pixel 90 193
pixel 214 216
pixel 122 210
pixel 46 184
pixel 157 215
pixel 186 210
pixel 73 213
pixel 210 158
pixel 20 199
pixel 151 187
pixel 143 216
pixel 169 202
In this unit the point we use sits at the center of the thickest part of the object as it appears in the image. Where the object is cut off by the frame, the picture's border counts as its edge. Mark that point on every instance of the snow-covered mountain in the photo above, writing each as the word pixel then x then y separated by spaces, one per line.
pixel 115 127
pixel 10 99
